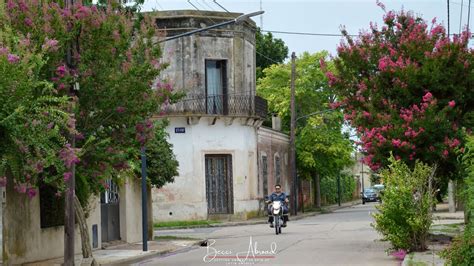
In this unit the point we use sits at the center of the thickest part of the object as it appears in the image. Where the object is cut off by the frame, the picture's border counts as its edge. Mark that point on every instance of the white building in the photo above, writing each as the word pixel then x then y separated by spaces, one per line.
pixel 214 128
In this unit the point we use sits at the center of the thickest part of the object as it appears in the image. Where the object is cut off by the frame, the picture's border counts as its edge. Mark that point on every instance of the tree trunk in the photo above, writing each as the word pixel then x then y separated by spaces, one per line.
pixel 451 203
pixel 85 241
pixel 317 182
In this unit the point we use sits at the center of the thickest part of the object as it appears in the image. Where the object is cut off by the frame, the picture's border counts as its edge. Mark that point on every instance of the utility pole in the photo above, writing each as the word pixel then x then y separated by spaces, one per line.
pixel 144 201
pixel 339 189
pixel 294 210
pixel 69 215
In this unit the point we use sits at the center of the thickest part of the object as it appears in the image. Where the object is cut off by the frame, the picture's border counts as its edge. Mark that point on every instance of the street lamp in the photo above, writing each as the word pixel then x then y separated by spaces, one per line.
pixel 237 20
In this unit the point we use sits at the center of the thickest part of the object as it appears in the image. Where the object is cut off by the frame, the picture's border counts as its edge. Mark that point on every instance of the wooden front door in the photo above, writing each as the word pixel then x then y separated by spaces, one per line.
pixel 219 191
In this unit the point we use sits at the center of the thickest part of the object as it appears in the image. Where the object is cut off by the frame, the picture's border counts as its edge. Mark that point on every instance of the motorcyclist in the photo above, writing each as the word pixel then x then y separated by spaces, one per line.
pixel 278 195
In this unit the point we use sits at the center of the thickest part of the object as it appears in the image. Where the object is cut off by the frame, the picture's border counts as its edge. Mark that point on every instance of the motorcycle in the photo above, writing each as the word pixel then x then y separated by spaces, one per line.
pixel 277 212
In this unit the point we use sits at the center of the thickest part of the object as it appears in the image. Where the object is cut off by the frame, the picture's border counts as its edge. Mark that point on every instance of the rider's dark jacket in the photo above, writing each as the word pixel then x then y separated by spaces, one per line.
pixel 275 197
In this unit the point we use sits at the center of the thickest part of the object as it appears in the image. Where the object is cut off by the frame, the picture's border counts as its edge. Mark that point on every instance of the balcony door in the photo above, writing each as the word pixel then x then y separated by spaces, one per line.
pixel 216 86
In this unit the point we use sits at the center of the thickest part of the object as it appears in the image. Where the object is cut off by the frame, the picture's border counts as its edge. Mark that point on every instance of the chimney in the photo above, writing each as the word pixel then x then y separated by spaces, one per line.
pixel 276 122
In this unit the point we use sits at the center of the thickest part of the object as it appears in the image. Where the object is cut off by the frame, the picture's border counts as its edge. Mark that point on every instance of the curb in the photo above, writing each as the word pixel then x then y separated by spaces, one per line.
pixel 263 221
pixel 149 255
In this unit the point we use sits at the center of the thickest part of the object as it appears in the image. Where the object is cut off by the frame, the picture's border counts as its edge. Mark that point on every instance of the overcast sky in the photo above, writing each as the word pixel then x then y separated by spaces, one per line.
pixel 317 16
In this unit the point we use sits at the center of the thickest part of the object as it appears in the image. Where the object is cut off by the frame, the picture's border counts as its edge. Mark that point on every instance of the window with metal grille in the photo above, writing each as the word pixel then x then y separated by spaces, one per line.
pixel 277 170
pixel 265 175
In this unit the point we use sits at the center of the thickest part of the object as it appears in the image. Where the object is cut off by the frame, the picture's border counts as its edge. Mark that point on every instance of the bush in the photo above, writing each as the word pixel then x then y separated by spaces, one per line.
pixel 404 219
pixel 461 251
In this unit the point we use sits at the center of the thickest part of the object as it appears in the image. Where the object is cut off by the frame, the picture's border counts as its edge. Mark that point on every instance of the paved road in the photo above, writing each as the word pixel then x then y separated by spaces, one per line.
pixel 343 237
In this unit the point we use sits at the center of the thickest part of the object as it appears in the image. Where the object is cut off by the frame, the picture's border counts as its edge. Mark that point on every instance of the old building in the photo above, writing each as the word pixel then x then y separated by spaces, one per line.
pixel 214 127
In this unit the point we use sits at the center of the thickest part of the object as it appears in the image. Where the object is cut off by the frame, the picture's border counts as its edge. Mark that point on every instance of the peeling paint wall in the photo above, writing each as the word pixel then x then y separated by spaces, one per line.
pixel 23 238
pixel 186 197
pixel 131 210
pixel 272 144
pixel 186 56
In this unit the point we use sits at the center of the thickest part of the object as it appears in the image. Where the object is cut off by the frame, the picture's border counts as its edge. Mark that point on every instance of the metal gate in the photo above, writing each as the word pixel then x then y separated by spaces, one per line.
pixel 219 190
pixel 109 210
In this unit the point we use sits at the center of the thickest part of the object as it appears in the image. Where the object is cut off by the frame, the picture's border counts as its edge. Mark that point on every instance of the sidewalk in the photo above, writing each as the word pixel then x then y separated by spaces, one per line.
pixel 126 253
pixel 129 253
pixel 443 229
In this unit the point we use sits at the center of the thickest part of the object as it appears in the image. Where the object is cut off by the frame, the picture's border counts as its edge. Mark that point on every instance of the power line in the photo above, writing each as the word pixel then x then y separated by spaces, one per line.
pixel 189 1
pixel 460 16
pixel 468 15
pixel 310 33
pixel 215 1
pixel 448 15
pixel 205 2
pixel 457 3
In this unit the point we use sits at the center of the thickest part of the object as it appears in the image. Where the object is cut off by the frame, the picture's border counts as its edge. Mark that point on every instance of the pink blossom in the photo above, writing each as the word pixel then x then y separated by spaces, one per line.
pixel 120 109
pixel 396 142
pixel 322 63
pixel 428 96
pixel 3 181
pixel 432 148
pixel 332 79
pixel 366 114
pixel 335 105
pixel 445 153
pixel 139 127
pixel 61 71
pixel 50 45
pixel 452 103
pixel 13 58
pixel 32 192
pixel 116 35
pixel 28 22
pixel 79 136
pixel 11 4
pixel 67 176
pixel 68 155
pixel 455 143
pixel 21 188
pixel 399 254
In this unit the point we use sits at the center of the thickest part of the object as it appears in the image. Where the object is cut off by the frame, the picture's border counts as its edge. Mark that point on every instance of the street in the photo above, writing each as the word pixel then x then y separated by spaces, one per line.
pixel 343 237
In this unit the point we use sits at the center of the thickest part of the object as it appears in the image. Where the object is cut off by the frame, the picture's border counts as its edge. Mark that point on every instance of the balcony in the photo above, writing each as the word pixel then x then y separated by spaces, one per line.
pixel 219 105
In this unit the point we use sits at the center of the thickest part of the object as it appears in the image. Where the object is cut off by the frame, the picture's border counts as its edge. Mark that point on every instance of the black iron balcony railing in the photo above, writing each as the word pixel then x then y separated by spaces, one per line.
pixel 228 105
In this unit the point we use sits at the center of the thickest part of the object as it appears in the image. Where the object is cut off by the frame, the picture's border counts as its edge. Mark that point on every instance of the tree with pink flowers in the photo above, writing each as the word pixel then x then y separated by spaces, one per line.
pixel 407 89
pixel 116 62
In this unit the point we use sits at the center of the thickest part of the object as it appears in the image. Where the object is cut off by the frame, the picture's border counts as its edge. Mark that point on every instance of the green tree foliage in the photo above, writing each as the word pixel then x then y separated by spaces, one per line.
pixel 461 251
pixel 33 117
pixel 269 51
pixel 407 89
pixel 329 193
pixel 116 62
pixel 162 165
pixel 404 218
pixel 321 145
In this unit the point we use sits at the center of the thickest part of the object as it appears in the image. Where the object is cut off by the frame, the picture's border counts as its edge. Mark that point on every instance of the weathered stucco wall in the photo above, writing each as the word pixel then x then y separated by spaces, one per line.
pixel 23 238
pixel 273 144
pixel 186 197
pixel 131 210
pixel 186 56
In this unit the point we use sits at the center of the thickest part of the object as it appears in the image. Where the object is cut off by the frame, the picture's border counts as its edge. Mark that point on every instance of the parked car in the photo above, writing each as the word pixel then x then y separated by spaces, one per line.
pixel 368 195
pixel 379 188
